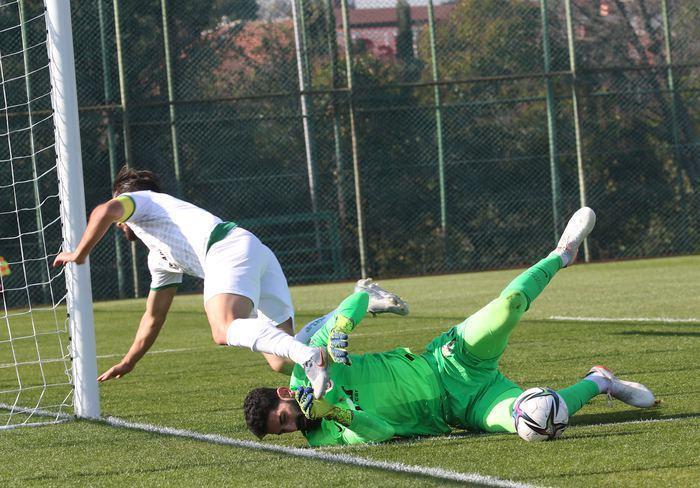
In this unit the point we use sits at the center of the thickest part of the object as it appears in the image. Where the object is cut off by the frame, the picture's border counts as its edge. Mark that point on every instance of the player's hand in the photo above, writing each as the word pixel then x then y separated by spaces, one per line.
pixel 319 408
pixel 115 372
pixel 338 347
pixel 312 408
pixel 66 257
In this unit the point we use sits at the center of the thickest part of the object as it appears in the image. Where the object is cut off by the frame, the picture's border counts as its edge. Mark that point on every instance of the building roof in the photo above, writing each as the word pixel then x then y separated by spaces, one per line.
pixel 375 17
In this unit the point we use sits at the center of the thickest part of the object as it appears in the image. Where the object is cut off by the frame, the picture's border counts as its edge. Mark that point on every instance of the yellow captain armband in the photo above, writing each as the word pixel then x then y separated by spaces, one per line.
pixel 129 207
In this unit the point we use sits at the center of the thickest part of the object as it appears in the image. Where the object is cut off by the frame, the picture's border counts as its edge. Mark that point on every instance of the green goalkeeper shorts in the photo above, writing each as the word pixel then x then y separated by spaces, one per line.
pixel 471 384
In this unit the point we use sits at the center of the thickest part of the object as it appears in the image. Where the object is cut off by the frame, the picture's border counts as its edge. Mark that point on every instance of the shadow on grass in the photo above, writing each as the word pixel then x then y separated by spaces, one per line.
pixel 627 416
pixel 616 469
pixel 660 333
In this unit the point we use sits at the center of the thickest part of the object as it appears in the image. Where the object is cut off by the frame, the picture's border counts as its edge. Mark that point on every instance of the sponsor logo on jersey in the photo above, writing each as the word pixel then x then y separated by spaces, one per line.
pixel 352 396
pixel 171 265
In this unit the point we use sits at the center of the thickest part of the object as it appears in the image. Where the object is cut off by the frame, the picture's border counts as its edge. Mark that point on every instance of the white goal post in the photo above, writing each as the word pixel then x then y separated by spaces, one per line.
pixel 64 99
pixel 48 364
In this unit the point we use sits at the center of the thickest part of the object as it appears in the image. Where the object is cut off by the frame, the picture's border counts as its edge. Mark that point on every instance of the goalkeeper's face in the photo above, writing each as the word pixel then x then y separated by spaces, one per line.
pixel 287 417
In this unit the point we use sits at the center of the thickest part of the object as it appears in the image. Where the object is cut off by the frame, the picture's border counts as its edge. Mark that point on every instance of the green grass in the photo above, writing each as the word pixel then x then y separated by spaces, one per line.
pixel 202 389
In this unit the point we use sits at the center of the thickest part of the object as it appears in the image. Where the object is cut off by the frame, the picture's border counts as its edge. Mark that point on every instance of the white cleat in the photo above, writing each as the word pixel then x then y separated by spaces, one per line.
pixel 316 372
pixel 580 225
pixel 629 392
pixel 381 300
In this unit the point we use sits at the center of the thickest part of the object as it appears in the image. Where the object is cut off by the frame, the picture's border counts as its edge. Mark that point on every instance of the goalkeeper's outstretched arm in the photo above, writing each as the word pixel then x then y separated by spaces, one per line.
pixel 353 426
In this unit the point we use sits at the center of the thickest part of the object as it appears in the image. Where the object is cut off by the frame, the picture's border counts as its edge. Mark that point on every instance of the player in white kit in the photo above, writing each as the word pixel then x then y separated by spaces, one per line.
pixel 246 297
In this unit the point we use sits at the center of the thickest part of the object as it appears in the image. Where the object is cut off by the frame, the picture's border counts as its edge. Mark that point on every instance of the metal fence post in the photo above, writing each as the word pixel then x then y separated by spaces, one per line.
pixel 577 120
pixel 551 124
pixel 353 137
pixel 306 115
pixel 674 121
pixel 125 120
pixel 111 139
pixel 171 96
pixel 338 153
pixel 438 129
pixel 305 106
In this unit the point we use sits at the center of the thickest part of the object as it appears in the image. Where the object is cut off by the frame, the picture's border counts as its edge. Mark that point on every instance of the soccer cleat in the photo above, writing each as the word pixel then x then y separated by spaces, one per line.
pixel 381 300
pixel 629 392
pixel 580 225
pixel 316 372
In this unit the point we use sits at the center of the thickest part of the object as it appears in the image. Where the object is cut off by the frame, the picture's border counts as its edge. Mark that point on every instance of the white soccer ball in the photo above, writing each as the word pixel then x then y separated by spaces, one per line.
pixel 540 414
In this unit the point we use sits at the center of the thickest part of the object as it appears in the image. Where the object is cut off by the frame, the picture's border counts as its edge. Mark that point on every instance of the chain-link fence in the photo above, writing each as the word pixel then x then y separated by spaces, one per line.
pixel 397 138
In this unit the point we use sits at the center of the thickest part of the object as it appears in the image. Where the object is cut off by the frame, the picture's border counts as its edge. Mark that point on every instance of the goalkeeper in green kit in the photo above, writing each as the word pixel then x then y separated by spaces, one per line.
pixel 455 383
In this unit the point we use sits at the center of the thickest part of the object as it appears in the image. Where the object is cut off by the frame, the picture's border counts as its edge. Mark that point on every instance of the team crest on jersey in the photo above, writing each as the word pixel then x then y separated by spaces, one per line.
pixel 448 348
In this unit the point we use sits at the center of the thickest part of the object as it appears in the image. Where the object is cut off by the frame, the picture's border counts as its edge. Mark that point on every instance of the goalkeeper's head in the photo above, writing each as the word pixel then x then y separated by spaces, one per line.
pixel 275 411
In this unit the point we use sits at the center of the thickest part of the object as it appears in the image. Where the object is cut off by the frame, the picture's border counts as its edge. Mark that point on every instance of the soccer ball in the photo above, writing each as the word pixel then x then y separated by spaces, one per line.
pixel 540 414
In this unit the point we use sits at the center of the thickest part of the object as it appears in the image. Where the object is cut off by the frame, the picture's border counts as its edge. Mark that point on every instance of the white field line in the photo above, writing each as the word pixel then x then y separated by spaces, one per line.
pixel 159 351
pixel 667 320
pixel 320 455
pixel 315 454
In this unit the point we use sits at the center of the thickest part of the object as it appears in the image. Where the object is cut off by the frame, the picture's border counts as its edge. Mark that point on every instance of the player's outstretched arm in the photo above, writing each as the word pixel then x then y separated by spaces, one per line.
pixel 100 219
pixel 157 307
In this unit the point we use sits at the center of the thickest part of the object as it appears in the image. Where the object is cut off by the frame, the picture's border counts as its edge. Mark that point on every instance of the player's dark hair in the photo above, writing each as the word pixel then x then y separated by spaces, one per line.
pixel 257 407
pixel 129 179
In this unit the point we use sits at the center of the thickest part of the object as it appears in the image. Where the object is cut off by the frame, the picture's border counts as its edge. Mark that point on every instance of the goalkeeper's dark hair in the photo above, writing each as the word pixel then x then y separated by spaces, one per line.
pixel 257 407
pixel 129 179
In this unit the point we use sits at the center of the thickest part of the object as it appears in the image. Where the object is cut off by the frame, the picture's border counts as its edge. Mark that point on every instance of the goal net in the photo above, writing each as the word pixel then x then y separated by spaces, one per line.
pixel 47 357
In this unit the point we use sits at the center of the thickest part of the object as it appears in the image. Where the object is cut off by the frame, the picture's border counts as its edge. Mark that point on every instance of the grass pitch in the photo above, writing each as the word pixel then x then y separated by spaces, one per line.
pixel 187 382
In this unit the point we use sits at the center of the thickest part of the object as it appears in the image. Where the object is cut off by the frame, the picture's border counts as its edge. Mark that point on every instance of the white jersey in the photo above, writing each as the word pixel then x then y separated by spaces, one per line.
pixel 176 233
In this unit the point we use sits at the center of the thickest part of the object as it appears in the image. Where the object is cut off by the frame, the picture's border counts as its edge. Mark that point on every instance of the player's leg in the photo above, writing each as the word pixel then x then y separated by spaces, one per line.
pixel 497 416
pixel 343 319
pixel 380 301
pixel 232 272
pixel 495 413
pixel 486 332
pixel 235 266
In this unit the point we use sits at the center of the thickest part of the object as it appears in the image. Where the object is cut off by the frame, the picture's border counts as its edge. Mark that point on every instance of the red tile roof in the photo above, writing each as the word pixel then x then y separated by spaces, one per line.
pixel 370 17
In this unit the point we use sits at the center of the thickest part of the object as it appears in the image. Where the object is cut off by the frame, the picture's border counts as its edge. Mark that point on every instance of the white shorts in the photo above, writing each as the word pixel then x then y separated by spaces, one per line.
pixel 240 264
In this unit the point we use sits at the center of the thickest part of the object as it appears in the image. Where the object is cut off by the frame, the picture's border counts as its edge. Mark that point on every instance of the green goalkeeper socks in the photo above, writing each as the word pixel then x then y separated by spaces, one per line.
pixel 487 331
pixel 576 396
pixel 532 281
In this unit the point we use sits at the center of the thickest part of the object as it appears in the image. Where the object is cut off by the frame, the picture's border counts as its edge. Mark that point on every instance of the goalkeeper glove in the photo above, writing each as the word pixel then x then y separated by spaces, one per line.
pixel 338 340
pixel 338 347
pixel 318 408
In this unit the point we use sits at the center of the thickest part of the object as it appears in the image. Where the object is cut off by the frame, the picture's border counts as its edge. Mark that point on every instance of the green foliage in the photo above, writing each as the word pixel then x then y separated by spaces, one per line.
pixel 241 143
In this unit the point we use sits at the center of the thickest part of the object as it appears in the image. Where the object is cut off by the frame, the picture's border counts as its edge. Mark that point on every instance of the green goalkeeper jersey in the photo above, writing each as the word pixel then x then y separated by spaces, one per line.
pixel 393 393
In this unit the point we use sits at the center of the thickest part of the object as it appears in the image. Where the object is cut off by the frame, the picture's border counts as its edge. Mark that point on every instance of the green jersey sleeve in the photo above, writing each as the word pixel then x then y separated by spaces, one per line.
pixel 365 427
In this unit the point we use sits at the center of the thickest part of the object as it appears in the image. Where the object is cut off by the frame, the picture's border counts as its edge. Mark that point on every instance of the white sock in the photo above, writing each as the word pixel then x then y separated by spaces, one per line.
pixel 307 332
pixel 262 336
pixel 600 380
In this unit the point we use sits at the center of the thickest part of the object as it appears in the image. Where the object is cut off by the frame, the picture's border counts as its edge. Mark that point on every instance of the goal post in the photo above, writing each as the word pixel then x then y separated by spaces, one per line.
pixel 48 366
pixel 86 402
